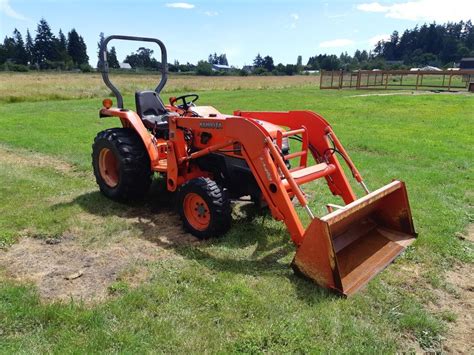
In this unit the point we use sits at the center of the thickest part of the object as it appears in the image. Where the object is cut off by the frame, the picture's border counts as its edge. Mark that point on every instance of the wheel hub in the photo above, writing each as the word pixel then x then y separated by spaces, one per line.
pixel 108 167
pixel 196 211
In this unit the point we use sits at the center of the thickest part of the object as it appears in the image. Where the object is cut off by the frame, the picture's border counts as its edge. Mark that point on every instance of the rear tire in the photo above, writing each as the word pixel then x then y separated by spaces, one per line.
pixel 121 164
pixel 204 208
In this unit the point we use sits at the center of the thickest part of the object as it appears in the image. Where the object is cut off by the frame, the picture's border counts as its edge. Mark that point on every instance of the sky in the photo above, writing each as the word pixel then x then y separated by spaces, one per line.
pixel 192 29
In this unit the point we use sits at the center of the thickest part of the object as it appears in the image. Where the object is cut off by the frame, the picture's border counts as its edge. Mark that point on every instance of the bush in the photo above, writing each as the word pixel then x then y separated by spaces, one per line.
pixel 260 71
pixel 85 68
pixel 204 68
pixel 15 67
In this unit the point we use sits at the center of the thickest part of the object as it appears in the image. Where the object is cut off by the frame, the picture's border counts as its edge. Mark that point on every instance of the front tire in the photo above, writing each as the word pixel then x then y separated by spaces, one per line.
pixel 121 164
pixel 204 208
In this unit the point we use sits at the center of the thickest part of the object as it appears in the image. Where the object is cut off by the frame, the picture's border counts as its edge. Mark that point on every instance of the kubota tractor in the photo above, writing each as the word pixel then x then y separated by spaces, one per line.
pixel 209 158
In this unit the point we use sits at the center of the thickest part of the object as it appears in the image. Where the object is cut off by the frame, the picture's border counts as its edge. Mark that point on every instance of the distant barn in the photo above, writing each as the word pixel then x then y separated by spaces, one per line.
pixel 125 66
pixel 221 67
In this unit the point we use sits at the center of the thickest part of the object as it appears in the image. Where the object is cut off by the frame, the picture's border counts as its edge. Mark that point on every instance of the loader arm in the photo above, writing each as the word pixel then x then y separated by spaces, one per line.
pixel 318 129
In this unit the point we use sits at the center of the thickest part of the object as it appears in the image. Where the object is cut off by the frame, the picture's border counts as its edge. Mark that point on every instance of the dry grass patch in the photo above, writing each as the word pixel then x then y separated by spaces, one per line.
pixel 18 87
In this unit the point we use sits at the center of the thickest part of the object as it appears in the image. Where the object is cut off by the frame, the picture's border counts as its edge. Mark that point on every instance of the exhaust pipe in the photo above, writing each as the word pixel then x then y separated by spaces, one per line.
pixel 346 248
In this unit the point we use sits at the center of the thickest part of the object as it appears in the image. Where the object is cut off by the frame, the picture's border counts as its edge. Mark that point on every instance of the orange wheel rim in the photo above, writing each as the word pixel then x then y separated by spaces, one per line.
pixel 108 167
pixel 196 211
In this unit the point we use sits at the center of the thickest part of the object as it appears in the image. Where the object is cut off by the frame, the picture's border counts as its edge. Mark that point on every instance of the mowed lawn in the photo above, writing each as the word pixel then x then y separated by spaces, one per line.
pixel 238 293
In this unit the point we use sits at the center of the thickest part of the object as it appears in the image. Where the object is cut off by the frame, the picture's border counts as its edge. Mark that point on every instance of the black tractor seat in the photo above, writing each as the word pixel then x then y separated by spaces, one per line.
pixel 151 110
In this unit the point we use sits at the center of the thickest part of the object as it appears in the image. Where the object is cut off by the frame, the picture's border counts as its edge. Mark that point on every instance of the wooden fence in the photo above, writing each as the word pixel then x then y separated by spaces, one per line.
pixel 397 79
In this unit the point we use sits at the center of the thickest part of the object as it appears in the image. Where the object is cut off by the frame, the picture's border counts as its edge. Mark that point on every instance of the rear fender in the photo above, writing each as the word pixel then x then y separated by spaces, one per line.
pixel 130 119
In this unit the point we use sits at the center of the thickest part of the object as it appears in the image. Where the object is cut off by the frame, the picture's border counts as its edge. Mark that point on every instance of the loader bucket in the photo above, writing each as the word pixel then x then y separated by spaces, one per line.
pixel 343 250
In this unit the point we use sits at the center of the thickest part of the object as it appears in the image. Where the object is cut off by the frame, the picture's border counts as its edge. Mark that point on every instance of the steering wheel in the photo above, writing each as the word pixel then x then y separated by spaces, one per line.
pixel 185 103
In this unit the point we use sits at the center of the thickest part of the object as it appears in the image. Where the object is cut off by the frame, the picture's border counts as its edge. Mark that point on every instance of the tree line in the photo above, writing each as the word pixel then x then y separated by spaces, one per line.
pixel 44 51
pixel 433 44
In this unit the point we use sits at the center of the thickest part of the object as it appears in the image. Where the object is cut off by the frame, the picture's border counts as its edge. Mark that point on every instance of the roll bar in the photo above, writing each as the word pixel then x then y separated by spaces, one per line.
pixel 104 65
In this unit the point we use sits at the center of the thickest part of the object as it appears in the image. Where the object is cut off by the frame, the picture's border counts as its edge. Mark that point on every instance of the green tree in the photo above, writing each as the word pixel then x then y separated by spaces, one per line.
pixel 268 63
pixel 8 50
pixel 29 47
pixel 112 58
pixel 142 59
pixel 62 41
pixel 44 48
pixel 61 48
pixel 77 49
pixel 258 61
pixel 20 55
pixel 223 59
pixel 299 63
pixel 204 68
pixel 218 59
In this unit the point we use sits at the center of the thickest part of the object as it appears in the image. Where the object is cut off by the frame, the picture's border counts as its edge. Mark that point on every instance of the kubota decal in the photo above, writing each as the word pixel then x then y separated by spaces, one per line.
pixel 212 125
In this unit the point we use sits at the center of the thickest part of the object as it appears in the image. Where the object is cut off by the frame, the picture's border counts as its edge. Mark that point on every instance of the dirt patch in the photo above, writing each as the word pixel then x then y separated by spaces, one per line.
pixel 460 338
pixel 64 269
pixel 35 160
pixel 460 301
pixel 455 298
pixel 468 234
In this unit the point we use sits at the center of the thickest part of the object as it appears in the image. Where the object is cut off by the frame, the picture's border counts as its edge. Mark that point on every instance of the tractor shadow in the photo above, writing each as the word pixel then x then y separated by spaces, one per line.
pixel 255 245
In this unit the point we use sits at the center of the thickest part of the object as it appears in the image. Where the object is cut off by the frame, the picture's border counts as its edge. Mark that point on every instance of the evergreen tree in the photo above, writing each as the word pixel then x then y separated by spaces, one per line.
pixel 112 58
pixel 44 48
pixel 62 41
pixel 61 48
pixel 223 59
pixel 29 46
pixel 21 55
pixel 8 50
pixel 299 62
pixel 76 48
pixel 258 61
pixel 101 42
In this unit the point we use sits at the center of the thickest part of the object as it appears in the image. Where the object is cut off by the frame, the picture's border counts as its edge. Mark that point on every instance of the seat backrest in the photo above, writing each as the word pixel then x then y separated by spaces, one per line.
pixel 149 104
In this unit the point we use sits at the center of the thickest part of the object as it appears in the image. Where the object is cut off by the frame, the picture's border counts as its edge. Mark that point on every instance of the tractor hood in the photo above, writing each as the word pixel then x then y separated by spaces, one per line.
pixel 211 112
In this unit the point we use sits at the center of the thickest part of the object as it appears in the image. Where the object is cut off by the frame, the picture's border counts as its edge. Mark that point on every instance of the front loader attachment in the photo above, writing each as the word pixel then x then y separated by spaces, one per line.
pixel 346 248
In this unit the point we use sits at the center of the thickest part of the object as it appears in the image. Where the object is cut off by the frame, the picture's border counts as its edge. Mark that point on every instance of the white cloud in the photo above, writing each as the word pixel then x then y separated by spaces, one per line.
pixel 372 7
pixel 211 13
pixel 336 43
pixel 294 18
pixel 7 10
pixel 424 10
pixel 180 5
pixel 375 39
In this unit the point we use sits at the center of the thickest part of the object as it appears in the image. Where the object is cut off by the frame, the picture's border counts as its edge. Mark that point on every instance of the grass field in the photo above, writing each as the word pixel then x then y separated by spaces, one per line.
pixel 237 293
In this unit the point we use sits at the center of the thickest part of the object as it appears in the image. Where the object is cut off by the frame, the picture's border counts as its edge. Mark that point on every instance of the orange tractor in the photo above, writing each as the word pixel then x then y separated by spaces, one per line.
pixel 209 158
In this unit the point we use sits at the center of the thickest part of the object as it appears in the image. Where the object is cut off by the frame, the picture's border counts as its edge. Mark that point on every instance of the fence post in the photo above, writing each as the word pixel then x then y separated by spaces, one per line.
pixel 341 78
pixel 332 77
pixel 321 73
pixel 417 77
